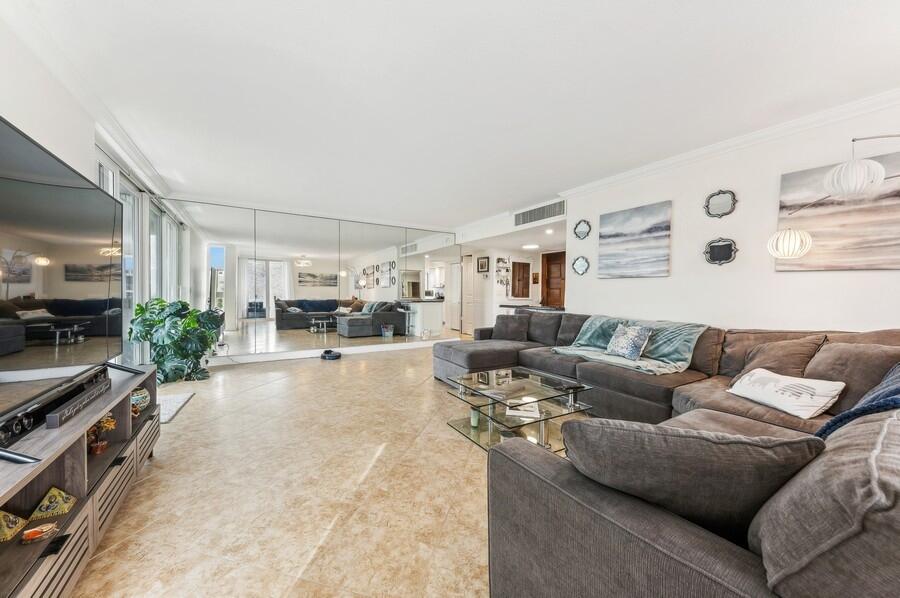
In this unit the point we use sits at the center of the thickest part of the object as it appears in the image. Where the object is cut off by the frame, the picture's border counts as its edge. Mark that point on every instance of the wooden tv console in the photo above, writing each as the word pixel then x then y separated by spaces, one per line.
pixel 99 482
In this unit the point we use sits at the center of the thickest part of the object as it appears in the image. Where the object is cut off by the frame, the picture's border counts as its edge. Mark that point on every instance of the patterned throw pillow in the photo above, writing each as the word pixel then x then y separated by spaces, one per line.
pixel 629 341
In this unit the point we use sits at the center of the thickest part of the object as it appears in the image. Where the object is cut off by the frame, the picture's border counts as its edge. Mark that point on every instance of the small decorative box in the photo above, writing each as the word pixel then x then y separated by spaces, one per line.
pixel 10 526
pixel 55 503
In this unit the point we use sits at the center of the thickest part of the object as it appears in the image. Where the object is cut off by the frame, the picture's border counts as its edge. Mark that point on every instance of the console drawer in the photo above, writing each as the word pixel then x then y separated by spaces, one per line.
pixel 147 438
pixel 56 575
pixel 112 490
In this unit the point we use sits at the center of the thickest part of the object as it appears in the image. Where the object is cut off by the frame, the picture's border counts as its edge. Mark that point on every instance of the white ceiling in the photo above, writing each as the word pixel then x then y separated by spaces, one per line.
pixel 537 235
pixel 439 113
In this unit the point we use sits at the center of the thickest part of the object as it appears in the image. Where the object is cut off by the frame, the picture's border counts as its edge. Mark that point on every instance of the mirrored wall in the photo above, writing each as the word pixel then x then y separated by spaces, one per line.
pixel 289 283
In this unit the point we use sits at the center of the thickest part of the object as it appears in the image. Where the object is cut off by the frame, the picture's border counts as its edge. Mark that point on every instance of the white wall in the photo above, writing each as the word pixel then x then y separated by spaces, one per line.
pixel 489 295
pixel 747 292
pixel 37 103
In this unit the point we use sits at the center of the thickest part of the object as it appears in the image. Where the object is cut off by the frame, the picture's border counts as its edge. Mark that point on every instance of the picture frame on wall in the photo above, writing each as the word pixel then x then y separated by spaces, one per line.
pixel 535 278
pixel 483 264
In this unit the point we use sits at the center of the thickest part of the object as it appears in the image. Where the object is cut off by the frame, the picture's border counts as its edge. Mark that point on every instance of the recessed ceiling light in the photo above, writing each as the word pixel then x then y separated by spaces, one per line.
pixel 531 246
pixel 427 256
pixel 549 231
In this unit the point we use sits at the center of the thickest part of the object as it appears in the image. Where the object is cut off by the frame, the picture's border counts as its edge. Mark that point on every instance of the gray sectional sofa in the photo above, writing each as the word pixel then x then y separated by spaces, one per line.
pixel 831 530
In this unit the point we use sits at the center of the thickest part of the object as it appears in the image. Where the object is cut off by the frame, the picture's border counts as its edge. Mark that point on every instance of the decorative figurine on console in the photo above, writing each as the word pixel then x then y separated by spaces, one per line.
pixel 97 445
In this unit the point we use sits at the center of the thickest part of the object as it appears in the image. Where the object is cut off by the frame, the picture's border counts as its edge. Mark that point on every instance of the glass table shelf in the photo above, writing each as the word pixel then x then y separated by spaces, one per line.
pixel 486 435
pixel 547 410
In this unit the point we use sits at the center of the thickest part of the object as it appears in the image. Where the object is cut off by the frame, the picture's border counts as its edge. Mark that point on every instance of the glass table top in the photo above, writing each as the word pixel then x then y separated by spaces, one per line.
pixel 512 386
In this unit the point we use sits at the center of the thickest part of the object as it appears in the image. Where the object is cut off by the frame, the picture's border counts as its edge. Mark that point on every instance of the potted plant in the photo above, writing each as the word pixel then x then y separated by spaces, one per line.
pixel 179 337
pixel 97 444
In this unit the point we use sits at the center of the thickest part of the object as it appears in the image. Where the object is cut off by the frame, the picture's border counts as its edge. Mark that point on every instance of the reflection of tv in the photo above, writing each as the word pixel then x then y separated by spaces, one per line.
pixel 61 259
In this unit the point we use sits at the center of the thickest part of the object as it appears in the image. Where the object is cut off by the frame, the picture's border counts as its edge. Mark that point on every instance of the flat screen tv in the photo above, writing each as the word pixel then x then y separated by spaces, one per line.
pixel 61 261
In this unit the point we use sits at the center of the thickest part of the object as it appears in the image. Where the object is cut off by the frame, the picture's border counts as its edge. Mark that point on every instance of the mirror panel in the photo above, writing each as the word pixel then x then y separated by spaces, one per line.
pixel 720 204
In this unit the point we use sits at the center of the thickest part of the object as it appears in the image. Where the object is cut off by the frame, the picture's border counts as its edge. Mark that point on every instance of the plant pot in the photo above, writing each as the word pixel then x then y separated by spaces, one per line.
pixel 99 447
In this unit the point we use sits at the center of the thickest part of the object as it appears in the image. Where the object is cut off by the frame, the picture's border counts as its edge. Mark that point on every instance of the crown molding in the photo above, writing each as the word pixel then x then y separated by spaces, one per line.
pixel 829 116
pixel 41 44
pixel 264 206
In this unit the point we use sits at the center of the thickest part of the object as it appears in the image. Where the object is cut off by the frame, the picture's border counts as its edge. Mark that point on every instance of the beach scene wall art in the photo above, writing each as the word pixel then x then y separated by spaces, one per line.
pixel 847 234
pixel 93 272
pixel 635 243
pixel 312 279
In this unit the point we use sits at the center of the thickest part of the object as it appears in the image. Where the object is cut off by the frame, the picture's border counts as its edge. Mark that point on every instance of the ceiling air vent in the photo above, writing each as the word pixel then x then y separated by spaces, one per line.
pixel 407 249
pixel 542 213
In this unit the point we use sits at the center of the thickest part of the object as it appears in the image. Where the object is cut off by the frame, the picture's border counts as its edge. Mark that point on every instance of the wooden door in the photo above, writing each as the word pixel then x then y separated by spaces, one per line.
pixel 553 283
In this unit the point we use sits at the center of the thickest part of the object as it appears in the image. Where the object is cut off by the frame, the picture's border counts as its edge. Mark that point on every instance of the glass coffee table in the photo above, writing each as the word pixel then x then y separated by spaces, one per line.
pixel 511 402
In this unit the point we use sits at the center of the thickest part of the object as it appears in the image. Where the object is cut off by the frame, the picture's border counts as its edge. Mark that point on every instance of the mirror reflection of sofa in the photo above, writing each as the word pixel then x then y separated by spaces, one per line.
pixel 100 317
pixel 370 320
pixel 364 318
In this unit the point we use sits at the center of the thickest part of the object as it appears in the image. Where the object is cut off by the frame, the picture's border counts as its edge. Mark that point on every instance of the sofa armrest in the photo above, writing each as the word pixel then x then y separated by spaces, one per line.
pixel 483 334
pixel 552 528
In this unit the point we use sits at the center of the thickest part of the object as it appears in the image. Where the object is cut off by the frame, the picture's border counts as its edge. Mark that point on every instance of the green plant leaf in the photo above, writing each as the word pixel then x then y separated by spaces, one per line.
pixel 166 333
pixel 210 320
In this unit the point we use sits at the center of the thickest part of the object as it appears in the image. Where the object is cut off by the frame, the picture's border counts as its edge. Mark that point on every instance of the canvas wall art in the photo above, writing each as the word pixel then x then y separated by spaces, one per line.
pixel 312 279
pixel 17 270
pixel 92 272
pixel 634 243
pixel 847 234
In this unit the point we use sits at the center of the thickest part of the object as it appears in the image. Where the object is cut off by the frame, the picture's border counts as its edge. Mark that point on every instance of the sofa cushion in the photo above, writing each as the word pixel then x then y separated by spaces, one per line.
pixel 707 351
pixel 545 360
pixel 482 354
pixel 711 394
pixel 832 530
pixel 511 327
pixel 657 389
pixel 728 423
pixel 543 327
pixel 317 305
pixel 29 303
pixel 716 480
pixel 569 327
pixel 738 344
pixel 357 306
pixel 788 358
pixel 890 336
pixel 860 366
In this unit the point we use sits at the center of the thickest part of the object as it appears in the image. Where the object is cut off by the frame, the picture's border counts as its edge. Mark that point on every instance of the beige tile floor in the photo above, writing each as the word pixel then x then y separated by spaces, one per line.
pixel 305 478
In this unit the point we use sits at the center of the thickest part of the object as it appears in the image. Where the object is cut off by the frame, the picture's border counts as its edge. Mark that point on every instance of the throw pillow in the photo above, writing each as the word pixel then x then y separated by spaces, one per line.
pixel 33 314
pixel 803 397
pixel 294 310
pixel 369 307
pixel 343 310
pixel 357 306
pixel 789 357
pixel 511 328
pixel 884 397
pixel 8 309
pixel 629 341
pixel 861 366
pixel 832 529
pixel 281 305
pixel 716 480
pixel 112 311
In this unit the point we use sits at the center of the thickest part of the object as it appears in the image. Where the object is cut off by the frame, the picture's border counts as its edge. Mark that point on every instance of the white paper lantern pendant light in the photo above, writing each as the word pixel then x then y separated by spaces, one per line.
pixel 790 244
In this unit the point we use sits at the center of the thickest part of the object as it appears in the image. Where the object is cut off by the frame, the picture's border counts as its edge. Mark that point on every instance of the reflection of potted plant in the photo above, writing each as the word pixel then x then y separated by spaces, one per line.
pixel 179 337
pixel 96 442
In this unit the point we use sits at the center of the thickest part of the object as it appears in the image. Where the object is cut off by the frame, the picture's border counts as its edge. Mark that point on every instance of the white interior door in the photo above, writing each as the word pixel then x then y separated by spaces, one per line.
pixel 453 297
pixel 468 295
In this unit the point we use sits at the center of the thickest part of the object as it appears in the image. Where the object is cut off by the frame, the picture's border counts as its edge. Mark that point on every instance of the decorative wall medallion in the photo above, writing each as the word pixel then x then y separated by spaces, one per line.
pixel 720 251
pixel 580 265
pixel 719 204
pixel 582 229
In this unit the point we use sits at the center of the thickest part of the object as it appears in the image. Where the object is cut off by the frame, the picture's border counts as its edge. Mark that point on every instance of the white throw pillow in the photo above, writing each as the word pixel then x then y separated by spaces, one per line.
pixel 33 314
pixel 343 310
pixel 294 310
pixel 802 397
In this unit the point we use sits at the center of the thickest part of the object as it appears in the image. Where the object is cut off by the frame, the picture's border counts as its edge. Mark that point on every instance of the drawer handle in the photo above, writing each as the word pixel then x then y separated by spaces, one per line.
pixel 118 461
pixel 55 545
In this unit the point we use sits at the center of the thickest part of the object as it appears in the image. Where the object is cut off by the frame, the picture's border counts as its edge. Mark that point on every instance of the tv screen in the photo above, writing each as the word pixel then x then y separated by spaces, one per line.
pixel 60 262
